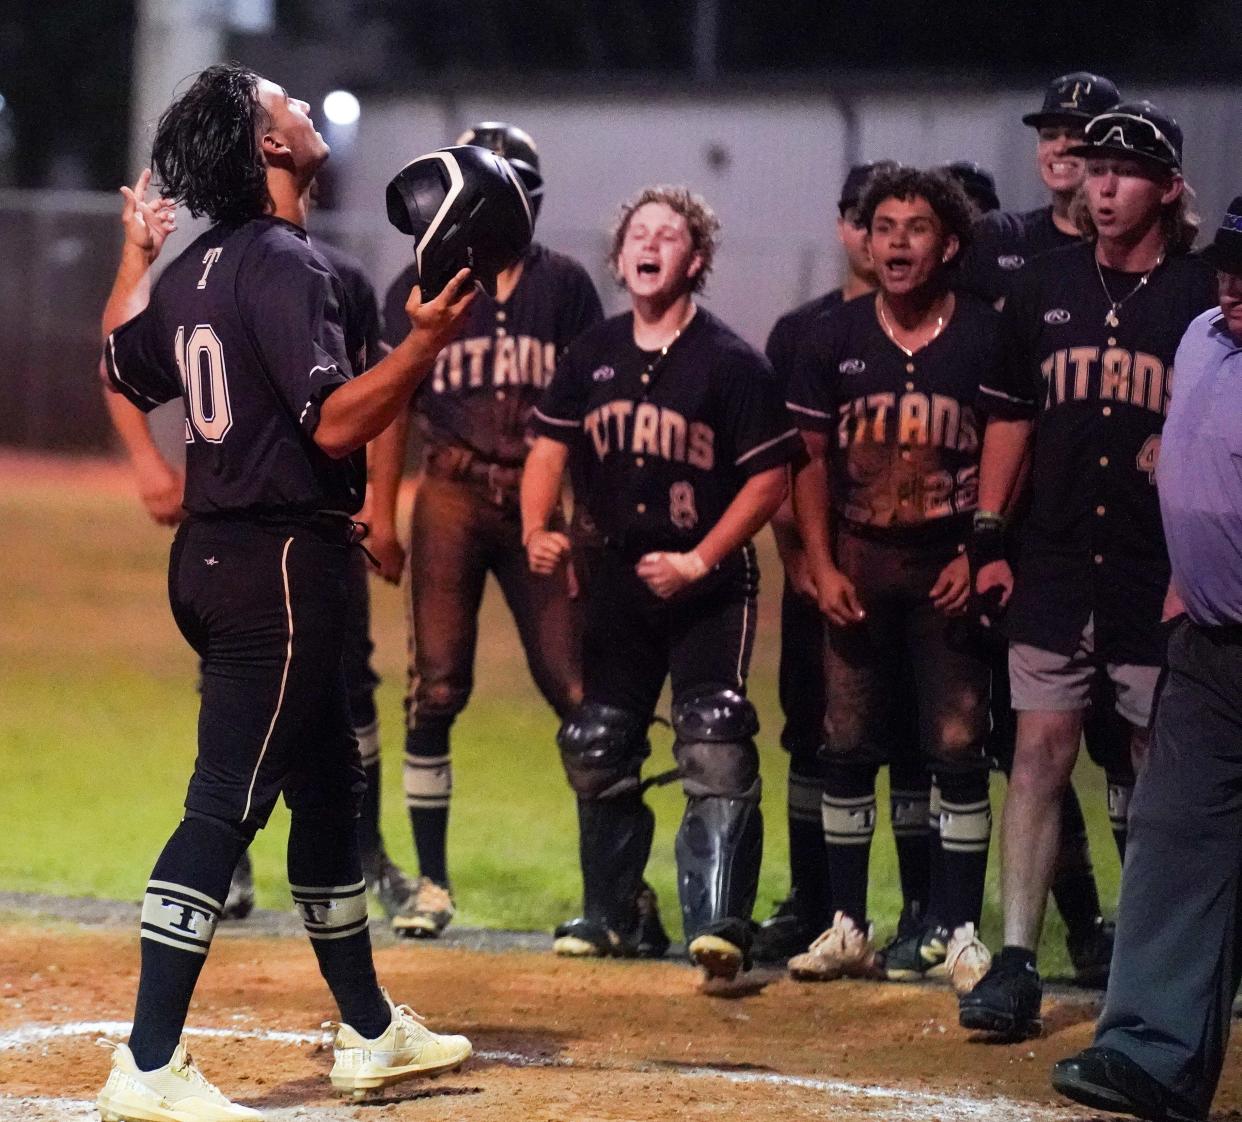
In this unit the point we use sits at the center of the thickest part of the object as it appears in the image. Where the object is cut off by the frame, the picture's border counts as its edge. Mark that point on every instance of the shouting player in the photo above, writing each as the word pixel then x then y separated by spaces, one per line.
pixel 245 327
pixel 686 445
pixel 1089 336
pixel 808 910
pixel 884 391
pixel 473 412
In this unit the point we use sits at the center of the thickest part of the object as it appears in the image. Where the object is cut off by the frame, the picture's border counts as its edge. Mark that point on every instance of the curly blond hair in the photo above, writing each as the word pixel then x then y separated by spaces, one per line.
pixel 701 220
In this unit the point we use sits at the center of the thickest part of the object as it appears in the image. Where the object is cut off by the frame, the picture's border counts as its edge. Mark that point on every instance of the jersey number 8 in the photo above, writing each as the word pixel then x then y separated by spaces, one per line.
pixel 200 360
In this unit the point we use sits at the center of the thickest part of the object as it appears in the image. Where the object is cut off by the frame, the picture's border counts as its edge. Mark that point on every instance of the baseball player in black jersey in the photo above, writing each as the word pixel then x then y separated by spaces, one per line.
pixel 472 413
pixel 808 910
pixel 245 327
pixel 162 487
pixel 1005 241
pixel 1090 333
pixel 687 446
pixel 1088 936
pixel 884 390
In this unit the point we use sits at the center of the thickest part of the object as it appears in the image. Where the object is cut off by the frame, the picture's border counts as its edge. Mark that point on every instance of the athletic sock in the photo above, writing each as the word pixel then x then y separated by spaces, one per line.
pixel 369 841
pixel 1073 886
pixel 848 813
pixel 428 791
pixel 909 803
pixel 325 877
pixel 180 911
pixel 1120 791
pixel 965 827
pixel 808 859
pixel 936 855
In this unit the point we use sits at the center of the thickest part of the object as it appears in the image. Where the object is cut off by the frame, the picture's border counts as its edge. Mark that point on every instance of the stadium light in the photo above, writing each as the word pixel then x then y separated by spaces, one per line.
pixel 341 107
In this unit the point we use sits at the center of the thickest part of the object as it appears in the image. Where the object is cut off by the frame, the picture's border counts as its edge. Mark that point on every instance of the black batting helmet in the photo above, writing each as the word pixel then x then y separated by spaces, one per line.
pixel 465 208
pixel 516 146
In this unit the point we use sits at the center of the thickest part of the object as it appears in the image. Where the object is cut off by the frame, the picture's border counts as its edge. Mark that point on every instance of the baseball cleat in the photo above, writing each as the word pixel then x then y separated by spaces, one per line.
pixel 427 913
pixel 782 935
pixel 1091 953
pixel 966 960
pixel 176 1092
pixel 653 940
pixel 1006 999
pixel 239 903
pixel 391 887
pixel 718 957
pixel 1105 1079
pixel 844 950
pixel 915 951
pixel 406 1049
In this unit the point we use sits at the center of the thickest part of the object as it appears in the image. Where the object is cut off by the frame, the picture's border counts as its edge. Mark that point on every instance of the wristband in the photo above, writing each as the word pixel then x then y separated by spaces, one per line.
pixel 697 565
pixel 987 543
pixel 986 518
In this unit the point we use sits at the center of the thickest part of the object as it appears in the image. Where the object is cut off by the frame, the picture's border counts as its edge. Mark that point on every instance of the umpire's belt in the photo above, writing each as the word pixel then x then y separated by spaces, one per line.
pixel 500 481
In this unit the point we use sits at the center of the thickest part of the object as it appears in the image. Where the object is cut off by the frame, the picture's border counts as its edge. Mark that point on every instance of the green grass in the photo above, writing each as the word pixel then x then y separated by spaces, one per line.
pixel 97 720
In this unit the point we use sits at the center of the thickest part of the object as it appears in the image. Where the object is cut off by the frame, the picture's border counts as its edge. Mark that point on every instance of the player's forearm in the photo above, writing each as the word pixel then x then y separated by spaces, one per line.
pixel 131 288
pixel 785 531
pixel 541 484
pixel 1004 449
pixel 387 462
pixel 751 509
pixel 134 431
pixel 811 504
pixel 365 406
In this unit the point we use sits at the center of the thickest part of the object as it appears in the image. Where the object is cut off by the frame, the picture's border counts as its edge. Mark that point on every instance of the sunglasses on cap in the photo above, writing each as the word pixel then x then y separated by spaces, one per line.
pixel 1133 134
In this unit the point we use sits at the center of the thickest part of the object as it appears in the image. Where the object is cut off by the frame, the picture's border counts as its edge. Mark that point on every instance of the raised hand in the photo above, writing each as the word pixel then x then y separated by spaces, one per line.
pixel 147 223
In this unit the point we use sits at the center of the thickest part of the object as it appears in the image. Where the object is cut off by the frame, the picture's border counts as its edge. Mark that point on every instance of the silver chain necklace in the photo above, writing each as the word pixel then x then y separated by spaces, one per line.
pixel 1111 320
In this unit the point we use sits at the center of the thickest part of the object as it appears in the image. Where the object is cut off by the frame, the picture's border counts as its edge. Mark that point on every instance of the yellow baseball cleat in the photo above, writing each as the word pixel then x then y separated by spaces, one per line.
pixel 176 1092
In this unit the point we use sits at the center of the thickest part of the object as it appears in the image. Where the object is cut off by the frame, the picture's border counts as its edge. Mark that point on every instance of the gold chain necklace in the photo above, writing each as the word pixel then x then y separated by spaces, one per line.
pixel 888 330
pixel 1110 319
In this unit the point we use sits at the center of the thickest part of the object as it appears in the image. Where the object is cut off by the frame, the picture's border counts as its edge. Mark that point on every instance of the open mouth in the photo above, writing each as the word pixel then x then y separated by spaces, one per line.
pixel 898 268
pixel 648 268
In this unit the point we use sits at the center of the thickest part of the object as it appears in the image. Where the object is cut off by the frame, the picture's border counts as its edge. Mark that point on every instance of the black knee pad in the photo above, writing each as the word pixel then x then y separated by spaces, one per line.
pixel 602 750
pixel 242 832
pixel 715 747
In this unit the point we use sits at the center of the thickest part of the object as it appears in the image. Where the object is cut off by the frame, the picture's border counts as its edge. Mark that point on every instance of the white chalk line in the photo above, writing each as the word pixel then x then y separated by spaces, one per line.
pixel 925 1104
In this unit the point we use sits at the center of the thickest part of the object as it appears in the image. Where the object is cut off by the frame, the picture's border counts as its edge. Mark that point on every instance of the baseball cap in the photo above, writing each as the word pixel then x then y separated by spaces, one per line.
pixel 856 182
pixel 1134 128
pixel 977 182
pixel 1225 252
pixel 1073 99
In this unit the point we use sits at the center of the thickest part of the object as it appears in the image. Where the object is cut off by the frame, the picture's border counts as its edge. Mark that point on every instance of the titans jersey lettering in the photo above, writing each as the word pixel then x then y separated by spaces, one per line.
pixel 650 430
pixel 489 362
pixel 909 418
pixel 1111 374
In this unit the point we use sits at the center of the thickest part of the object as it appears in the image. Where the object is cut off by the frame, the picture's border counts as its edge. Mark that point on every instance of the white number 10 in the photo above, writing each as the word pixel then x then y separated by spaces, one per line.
pixel 201 363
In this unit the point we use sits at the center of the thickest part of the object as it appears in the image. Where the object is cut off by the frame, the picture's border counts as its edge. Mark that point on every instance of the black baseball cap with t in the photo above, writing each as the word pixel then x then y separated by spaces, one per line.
pixel 1225 252
pixel 1134 128
pixel 1073 99
pixel 856 182
pixel 977 182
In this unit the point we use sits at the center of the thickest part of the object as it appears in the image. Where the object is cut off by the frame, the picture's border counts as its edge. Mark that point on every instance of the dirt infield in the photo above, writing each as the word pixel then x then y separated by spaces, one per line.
pixel 578 1042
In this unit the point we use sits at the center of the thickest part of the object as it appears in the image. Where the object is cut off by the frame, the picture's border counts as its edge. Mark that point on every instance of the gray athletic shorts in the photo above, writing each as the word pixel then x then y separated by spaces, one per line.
pixel 1057 683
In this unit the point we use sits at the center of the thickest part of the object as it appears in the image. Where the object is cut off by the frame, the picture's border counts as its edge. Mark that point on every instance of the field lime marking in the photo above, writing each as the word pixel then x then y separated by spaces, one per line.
pixel 917 1105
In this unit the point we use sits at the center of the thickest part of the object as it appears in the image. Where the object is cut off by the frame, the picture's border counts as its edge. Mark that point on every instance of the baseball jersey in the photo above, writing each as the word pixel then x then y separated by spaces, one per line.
pixel 246 327
pixel 787 333
pixel 1002 245
pixel 669 441
pixel 903 433
pixel 484 385
pixel 360 316
pixel 1091 542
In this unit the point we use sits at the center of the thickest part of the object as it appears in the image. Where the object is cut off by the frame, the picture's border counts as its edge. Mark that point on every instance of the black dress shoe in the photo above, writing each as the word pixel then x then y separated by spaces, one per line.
pixel 1105 1079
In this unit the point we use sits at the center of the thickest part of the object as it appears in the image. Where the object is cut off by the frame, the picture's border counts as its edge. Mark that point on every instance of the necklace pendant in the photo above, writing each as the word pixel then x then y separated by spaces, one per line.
pixel 1111 319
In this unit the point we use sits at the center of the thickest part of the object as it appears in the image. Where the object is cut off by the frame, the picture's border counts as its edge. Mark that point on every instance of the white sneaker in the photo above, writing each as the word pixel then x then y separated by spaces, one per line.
pixel 844 950
pixel 406 1049
pixel 176 1092
pixel 966 960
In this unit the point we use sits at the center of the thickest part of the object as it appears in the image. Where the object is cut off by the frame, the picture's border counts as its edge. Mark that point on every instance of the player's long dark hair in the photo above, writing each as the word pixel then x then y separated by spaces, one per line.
pixel 944 194
pixel 206 150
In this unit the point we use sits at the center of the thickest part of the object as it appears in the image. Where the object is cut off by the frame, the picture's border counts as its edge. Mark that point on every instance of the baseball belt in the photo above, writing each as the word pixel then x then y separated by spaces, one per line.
pixel 500 481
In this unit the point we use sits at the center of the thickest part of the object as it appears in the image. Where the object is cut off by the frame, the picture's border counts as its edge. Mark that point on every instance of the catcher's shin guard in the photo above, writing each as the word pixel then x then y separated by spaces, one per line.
pixel 614 841
pixel 719 846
